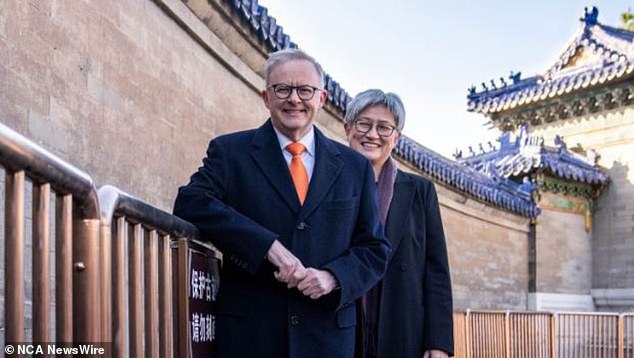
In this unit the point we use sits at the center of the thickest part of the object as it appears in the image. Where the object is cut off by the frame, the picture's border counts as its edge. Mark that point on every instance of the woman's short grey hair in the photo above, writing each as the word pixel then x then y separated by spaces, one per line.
pixel 282 56
pixel 373 97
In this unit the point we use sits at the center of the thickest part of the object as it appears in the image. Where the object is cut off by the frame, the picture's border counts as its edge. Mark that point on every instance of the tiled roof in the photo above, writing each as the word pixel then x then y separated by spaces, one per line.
pixel 528 153
pixel 265 28
pixel 495 190
pixel 614 59
pixel 488 187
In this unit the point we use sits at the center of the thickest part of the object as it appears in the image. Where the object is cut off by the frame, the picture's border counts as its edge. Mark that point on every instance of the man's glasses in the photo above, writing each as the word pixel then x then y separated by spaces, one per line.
pixel 304 92
pixel 383 130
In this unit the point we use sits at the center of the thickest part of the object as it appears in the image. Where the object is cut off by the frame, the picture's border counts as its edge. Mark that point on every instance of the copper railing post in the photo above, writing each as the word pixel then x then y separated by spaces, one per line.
pixel 620 337
pixel 507 334
pixel 119 310
pixel 14 257
pixel 86 295
pixel 150 250
pixel 41 262
pixel 136 313
pixel 553 335
pixel 468 333
pixel 183 297
pixel 105 262
pixel 166 334
pixel 63 268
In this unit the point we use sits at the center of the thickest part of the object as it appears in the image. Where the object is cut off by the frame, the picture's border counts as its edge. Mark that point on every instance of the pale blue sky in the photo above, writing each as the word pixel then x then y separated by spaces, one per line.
pixel 431 52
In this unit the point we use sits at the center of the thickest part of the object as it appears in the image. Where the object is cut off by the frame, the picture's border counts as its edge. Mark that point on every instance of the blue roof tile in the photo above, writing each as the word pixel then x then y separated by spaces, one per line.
pixel 528 153
pixel 614 51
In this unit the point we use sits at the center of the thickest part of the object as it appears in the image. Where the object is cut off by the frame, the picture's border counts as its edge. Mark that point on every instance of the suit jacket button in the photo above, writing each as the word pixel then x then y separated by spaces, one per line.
pixel 403 267
pixel 294 319
pixel 301 226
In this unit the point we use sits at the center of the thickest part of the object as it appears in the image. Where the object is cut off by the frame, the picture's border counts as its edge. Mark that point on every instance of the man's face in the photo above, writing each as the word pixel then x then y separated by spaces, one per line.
pixel 293 116
pixel 377 148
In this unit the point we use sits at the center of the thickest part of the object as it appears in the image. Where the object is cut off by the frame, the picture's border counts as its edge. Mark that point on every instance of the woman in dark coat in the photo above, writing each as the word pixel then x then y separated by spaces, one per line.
pixel 409 313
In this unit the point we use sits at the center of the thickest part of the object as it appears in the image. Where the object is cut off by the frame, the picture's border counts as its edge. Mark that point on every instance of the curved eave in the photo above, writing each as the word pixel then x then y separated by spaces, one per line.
pixel 504 194
pixel 512 98
pixel 560 165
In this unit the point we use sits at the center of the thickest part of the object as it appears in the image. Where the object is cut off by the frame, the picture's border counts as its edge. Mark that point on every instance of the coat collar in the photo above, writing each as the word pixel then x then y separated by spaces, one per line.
pixel 265 150
pixel 400 208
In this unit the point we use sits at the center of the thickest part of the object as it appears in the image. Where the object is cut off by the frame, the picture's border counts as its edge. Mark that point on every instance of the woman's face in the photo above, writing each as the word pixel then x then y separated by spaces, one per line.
pixel 368 134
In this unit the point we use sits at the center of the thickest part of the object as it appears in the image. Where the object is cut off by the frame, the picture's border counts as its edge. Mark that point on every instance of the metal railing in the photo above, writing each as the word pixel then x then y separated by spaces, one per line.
pixel 141 237
pixel 508 334
pixel 76 221
pixel 122 266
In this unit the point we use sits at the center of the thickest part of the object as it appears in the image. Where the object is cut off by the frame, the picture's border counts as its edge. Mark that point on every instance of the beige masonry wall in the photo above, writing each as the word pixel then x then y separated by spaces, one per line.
pixel 488 253
pixel 564 253
pixel 131 91
pixel 611 134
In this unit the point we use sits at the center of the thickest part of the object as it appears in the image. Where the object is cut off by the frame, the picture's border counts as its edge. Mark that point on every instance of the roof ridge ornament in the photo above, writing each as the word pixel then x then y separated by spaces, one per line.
pixel 590 17
pixel 515 77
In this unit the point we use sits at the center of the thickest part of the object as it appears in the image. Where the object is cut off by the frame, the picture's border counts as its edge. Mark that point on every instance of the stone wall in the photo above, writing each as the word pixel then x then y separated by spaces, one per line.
pixel 564 250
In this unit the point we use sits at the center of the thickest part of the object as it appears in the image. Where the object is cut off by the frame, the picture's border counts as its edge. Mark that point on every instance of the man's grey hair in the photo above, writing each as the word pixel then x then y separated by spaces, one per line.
pixel 373 97
pixel 290 54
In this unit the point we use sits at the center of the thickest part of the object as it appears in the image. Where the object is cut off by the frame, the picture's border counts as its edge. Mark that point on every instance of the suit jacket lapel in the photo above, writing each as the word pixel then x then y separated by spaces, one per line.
pixel 268 156
pixel 400 208
pixel 328 166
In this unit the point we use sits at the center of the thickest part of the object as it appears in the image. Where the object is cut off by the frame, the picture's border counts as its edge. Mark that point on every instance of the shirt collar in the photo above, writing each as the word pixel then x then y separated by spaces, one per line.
pixel 308 140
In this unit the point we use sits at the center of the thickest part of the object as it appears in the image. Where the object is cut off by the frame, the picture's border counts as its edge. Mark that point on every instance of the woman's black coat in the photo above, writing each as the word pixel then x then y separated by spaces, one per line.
pixel 416 300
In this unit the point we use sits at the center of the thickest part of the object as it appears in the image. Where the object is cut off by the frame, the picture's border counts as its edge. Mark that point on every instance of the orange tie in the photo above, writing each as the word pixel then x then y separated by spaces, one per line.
pixel 298 171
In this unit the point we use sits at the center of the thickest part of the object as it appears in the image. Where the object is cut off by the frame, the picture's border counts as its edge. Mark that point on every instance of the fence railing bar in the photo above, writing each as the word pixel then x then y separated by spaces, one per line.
pixel 136 290
pixel 166 338
pixel 14 256
pixel 620 348
pixel 150 266
pixel 41 262
pixel 182 296
pixel 120 333
pixel 64 268
pixel 106 270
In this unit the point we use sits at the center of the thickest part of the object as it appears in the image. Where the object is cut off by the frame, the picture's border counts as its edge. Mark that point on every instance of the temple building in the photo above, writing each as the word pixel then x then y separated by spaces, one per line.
pixel 580 116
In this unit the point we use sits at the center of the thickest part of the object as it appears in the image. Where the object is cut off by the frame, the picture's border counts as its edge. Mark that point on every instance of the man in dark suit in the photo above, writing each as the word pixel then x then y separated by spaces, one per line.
pixel 296 219
pixel 409 313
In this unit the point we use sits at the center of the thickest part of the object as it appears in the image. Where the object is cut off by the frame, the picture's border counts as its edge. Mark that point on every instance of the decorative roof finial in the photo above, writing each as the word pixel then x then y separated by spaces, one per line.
pixel 515 77
pixel 590 17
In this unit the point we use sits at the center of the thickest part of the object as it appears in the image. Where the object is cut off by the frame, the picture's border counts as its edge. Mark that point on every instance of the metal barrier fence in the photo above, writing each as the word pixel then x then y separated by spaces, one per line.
pixel 490 334
pixel 122 267
pixel 29 168
pixel 155 246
